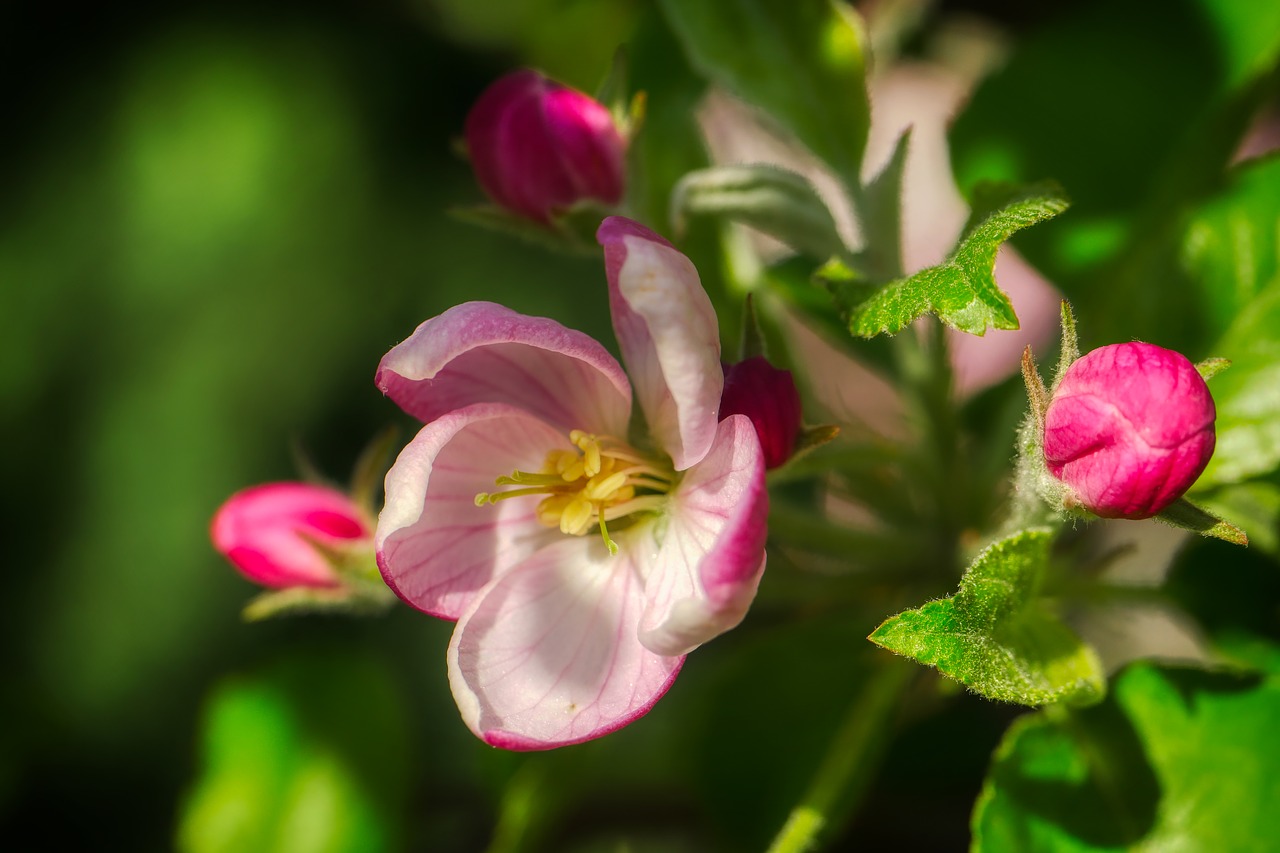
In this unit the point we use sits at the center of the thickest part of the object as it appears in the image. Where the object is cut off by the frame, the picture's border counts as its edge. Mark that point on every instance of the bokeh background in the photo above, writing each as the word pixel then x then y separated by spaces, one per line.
pixel 215 218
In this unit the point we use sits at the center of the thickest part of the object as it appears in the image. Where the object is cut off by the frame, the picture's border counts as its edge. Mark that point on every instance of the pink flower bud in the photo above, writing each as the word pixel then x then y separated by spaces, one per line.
pixel 1129 429
pixel 767 395
pixel 538 147
pixel 270 532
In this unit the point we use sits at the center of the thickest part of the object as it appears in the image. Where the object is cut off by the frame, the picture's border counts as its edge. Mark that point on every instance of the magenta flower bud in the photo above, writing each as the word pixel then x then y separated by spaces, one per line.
pixel 271 532
pixel 538 147
pixel 1129 429
pixel 767 395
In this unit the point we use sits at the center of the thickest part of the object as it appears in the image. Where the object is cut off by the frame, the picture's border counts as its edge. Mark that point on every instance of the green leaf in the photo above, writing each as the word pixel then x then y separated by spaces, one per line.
pixel 1184 514
pixel 778 202
pixel 802 62
pixel 961 291
pixel 1248 395
pixel 1255 505
pixel 1139 129
pixel 994 636
pixel 306 759
pixel 1175 760
pixel 1230 249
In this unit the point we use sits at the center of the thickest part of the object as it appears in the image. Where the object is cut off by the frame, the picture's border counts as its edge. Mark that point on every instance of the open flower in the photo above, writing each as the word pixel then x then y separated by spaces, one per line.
pixel 598 561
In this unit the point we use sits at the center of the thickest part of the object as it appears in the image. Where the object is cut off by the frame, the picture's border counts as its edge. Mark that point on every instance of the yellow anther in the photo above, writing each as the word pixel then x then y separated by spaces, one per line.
pixel 602 488
pixel 576 517
pixel 593 483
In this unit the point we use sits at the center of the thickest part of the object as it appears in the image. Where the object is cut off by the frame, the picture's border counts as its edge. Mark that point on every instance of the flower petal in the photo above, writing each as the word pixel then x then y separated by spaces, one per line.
pixel 670 341
pixel 479 352
pixel 547 654
pixel 701 578
pixel 435 547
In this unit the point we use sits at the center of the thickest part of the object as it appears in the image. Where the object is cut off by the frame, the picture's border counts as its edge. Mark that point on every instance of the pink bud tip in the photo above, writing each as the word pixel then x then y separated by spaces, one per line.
pixel 1129 429
pixel 539 147
pixel 269 532
pixel 767 395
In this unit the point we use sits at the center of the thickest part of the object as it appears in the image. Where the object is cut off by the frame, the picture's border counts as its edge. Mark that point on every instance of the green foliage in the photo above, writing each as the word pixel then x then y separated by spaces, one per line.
pixel 994 636
pixel 1086 100
pixel 801 62
pixel 288 765
pixel 778 202
pixel 962 291
pixel 1174 760
pixel 1248 395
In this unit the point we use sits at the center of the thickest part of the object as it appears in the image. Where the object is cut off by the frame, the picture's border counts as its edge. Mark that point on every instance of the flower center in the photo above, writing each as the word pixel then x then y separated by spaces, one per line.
pixel 600 481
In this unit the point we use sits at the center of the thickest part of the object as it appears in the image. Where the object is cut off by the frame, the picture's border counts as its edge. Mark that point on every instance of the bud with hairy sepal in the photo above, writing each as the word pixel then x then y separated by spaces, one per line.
pixel 1128 429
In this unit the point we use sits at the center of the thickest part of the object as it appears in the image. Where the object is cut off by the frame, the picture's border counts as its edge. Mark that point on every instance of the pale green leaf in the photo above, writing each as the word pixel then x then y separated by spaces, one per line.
pixel 802 62
pixel 1248 395
pixel 770 199
pixel 995 636
pixel 962 290
pixel 1175 760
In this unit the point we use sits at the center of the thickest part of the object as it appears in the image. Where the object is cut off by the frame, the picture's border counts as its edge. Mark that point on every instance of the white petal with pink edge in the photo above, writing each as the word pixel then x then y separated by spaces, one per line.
pixel 702 574
pixel 435 547
pixel 547 654
pixel 668 334
pixel 479 352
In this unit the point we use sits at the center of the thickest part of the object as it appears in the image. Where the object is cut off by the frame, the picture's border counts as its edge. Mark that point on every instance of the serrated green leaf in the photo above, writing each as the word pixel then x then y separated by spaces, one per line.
pixel 776 201
pixel 802 62
pixel 961 291
pixel 995 636
pixel 1175 760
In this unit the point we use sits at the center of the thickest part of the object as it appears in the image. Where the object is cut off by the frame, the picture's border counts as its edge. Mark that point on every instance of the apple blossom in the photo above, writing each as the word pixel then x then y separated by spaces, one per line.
pixel 768 396
pixel 273 533
pixel 1129 428
pixel 539 147
pixel 581 582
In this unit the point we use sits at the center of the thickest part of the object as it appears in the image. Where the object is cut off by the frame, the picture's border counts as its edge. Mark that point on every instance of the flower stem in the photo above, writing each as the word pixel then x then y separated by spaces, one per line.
pixel 851 760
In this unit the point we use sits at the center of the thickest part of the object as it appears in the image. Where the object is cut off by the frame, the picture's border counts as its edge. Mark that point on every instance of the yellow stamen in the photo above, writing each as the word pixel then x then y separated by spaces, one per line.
pixel 600 481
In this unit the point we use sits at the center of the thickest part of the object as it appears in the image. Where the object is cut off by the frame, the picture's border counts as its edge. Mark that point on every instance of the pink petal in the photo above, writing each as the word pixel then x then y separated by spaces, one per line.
pixel 479 352
pixel 435 547
pixel 702 577
pixel 267 532
pixel 670 341
pixel 547 654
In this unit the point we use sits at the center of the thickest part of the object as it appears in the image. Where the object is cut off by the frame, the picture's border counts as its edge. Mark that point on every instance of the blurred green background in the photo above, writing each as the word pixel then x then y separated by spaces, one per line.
pixel 215 219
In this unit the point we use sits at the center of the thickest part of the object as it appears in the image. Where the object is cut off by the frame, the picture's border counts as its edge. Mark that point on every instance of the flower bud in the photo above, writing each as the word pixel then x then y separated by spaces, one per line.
pixel 1129 429
pixel 274 533
pixel 539 147
pixel 767 395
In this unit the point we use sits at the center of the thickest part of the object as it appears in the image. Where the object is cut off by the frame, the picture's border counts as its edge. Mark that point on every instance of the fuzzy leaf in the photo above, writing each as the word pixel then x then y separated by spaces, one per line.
pixel 962 290
pixel 994 636
pixel 1175 760
pixel 778 202
pixel 801 62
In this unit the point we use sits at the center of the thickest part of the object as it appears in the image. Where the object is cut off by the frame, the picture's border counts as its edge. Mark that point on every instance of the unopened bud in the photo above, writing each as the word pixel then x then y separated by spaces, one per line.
pixel 539 147
pixel 768 396
pixel 274 533
pixel 1129 429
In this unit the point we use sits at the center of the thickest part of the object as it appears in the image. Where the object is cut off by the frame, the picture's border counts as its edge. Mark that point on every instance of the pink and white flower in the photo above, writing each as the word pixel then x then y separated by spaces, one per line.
pixel 603 559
